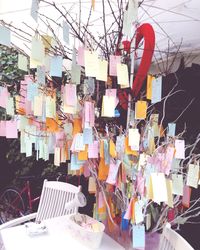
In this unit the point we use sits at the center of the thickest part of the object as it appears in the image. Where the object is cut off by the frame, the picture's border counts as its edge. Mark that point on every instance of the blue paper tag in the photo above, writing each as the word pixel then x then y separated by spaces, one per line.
pixel 138 234
pixel 124 223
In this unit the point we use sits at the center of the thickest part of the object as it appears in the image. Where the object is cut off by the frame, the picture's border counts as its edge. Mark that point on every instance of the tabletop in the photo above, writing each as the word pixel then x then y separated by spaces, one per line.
pixel 57 237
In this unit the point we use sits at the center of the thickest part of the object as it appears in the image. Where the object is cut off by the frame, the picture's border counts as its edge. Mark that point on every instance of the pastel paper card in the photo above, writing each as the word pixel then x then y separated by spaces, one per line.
pixel 75 164
pixel 3 128
pixel 10 106
pixel 70 95
pixel 171 129
pixel 30 133
pixel 5 37
pixel 114 60
pixel 32 91
pixel 92 185
pixel 186 196
pixel 91 63
pixel 138 236
pixel 102 72
pixel 177 184
pixel 140 110
pixel 120 143
pixel 134 138
pixel 22 143
pixel 79 143
pixel 139 216
pixel 50 111
pixel 101 202
pixel 63 157
pixel 51 143
pixel 80 56
pixel 65 32
pixel 113 92
pixel 140 185
pixel 23 122
pixel 28 148
pixel 86 170
pixel 108 106
pixel 169 201
pixel 93 150
pixel 38 104
pixel 34 9
pixel 150 79
pixel 11 129
pixel 68 128
pixel 156 90
pixel 76 74
pixel 193 175
pixel 56 66
pixel 4 97
pixel 37 50
pixel 57 156
pixel 41 74
pixel 88 109
pixel 28 107
pixel 46 152
pixel 159 187
pixel 92 114
pixel 176 164
pixel 113 171
pixel 60 139
pixel 47 63
pixel 87 136
pixel 22 62
pixel 180 149
pixel 122 75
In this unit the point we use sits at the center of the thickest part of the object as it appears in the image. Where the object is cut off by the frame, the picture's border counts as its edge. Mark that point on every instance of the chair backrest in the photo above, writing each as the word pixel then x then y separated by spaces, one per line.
pixel 171 240
pixel 54 196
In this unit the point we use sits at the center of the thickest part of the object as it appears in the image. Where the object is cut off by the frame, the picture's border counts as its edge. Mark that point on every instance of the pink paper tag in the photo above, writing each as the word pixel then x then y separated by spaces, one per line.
pixel 80 58
pixel 2 128
pixel 86 170
pixel 4 97
pixel 70 94
pixel 93 150
pixel 186 196
pixel 113 64
pixel 11 129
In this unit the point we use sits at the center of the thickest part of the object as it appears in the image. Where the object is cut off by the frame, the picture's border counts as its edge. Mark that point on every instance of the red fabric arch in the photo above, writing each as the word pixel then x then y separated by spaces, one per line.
pixel 146 32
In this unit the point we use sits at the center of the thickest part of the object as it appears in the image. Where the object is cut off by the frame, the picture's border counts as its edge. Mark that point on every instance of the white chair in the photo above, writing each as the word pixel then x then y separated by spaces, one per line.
pixel 171 240
pixel 52 203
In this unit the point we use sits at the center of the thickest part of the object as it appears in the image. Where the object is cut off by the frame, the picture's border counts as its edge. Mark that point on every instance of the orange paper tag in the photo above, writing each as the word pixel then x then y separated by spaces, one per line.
pixel 77 128
pixel 112 149
pixel 83 155
pixel 140 110
pixel 103 170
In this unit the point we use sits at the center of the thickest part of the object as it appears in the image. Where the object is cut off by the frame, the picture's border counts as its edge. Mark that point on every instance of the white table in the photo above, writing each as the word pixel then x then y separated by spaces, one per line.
pixel 57 238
